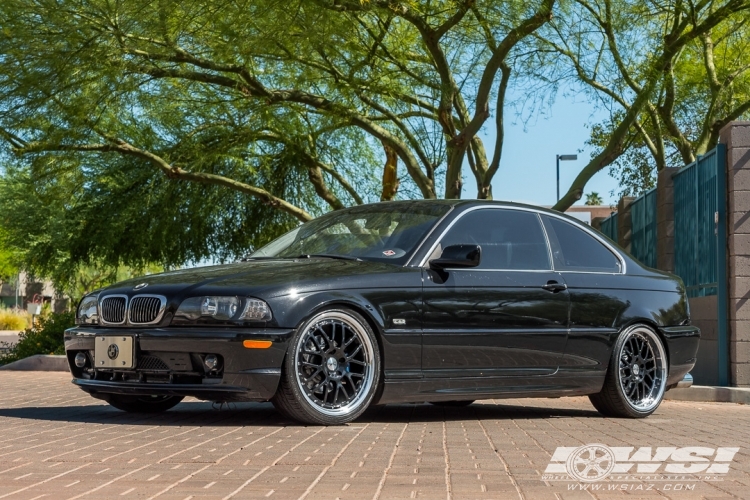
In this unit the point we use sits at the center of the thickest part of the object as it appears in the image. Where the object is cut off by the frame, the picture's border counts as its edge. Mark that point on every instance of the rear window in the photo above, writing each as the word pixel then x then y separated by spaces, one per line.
pixel 573 249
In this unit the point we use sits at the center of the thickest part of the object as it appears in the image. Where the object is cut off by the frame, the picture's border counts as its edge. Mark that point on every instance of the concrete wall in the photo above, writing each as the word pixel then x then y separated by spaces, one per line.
pixel 703 315
pixel 736 136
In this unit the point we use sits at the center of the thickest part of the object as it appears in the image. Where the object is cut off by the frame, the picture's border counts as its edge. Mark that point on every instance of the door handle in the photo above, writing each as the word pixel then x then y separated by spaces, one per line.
pixel 554 286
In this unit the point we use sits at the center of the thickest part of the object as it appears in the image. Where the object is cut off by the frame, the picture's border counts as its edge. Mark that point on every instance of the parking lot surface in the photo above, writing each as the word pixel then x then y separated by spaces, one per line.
pixel 56 442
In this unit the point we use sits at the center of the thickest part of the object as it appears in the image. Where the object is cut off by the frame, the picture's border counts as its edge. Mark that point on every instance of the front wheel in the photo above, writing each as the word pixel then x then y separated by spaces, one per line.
pixel 331 371
pixel 637 376
pixel 144 404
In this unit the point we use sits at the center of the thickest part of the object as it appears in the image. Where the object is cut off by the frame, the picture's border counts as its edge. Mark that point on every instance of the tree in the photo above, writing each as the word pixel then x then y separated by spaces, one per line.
pixel 708 87
pixel 291 104
pixel 627 55
pixel 9 260
pixel 593 199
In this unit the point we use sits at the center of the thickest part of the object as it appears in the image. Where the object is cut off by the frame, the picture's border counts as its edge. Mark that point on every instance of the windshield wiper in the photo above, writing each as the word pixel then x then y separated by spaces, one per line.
pixel 328 256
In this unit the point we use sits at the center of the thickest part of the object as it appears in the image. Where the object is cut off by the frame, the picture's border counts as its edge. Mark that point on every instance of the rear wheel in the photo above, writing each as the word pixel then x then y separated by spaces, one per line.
pixel 331 370
pixel 454 404
pixel 144 404
pixel 637 375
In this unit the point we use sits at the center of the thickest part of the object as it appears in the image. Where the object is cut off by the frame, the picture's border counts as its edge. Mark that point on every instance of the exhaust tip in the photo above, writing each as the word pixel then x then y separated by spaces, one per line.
pixel 686 382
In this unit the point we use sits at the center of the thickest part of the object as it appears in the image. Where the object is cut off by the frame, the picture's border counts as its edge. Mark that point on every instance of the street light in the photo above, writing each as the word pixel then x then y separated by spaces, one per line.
pixel 563 158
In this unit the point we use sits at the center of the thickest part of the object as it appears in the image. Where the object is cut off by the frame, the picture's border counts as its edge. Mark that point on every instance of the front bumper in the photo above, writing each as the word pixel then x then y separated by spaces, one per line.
pixel 244 374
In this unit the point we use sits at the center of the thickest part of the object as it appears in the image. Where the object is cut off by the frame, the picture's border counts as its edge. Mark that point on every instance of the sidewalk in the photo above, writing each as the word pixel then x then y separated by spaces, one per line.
pixel 58 442
pixel 8 336
pixel 710 393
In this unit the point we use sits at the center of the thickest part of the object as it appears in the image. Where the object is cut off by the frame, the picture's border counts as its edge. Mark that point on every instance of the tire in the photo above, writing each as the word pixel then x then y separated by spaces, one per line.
pixel 323 383
pixel 453 404
pixel 636 377
pixel 144 404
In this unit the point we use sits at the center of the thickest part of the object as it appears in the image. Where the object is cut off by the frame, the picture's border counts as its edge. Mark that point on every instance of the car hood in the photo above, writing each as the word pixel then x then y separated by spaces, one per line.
pixel 262 278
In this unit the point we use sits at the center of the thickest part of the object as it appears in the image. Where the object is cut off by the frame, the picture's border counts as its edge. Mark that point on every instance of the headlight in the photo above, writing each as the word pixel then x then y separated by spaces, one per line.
pixel 88 311
pixel 224 309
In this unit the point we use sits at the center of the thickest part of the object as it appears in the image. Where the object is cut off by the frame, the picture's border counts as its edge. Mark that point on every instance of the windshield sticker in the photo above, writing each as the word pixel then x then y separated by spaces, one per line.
pixel 389 253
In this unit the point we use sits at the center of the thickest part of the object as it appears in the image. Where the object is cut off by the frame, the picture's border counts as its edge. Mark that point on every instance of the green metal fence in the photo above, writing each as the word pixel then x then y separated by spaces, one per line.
pixel 700 229
pixel 699 195
pixel 643 238
pixel 609 227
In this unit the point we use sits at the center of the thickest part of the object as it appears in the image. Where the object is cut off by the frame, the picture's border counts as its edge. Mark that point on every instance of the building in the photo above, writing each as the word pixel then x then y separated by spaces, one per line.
pixel 25 289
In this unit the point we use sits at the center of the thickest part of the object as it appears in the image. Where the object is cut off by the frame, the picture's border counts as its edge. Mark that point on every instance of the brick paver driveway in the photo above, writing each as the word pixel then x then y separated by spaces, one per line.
pixel 58 443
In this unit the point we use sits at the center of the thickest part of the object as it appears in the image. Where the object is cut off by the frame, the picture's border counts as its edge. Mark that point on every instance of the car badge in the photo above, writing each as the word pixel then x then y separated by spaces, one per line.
pixel 113 351
pixel 140 286
pixel 389 253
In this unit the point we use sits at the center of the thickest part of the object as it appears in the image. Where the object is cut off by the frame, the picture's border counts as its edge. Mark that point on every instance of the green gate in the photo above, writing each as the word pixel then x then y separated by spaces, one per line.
pixel 609 227
pixel 700 236
pixel 643 238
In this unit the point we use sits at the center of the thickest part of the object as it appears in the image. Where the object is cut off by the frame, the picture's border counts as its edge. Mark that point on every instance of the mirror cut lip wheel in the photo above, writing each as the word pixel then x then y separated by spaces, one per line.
pixel 642 369
pixel 334 363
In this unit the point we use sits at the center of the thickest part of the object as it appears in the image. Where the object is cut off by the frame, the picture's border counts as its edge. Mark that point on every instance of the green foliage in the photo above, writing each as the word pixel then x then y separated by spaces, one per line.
pixel 44 338
pixel 708 87
pixel 169 132
pixel 669 76
pixel 593 199
pixel 13 320
pixel 9 258
pixel 635 168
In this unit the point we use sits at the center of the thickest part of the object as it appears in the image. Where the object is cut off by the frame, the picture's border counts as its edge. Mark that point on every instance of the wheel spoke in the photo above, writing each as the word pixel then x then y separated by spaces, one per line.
pixel 314 340
pixel 643 351
pixel 356 351
pixel 346 393
pixel 336 394
pixel 326 337
pixel 631 390
pixel 314 374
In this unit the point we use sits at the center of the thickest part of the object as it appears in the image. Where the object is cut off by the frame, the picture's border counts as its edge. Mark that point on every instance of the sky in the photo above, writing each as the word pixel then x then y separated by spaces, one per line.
pixel 527 168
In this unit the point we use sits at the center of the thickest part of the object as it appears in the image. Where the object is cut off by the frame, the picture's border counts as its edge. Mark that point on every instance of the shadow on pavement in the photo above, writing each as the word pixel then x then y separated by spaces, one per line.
pixel 195 413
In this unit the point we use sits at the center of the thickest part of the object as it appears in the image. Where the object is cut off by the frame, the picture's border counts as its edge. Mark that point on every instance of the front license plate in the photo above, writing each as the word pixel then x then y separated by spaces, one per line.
pixel 114 352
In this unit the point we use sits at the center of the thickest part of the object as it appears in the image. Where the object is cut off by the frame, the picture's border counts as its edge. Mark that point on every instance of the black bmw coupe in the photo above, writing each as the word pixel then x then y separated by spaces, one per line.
pixel 444 302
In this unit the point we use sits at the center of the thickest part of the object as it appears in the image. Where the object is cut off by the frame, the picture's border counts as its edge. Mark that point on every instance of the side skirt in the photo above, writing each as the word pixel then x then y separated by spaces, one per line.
pixel 563 383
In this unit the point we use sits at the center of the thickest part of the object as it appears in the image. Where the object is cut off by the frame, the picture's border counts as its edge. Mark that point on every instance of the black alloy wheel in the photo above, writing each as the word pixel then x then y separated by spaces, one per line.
pixel 637 376
pixel 332 369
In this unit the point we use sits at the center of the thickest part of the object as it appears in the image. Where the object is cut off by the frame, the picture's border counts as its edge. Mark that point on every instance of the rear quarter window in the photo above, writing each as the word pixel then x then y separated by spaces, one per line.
pixel 573 249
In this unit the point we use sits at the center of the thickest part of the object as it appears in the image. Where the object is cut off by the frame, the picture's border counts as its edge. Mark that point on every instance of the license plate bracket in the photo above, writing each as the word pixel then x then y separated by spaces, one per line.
pixel 114 351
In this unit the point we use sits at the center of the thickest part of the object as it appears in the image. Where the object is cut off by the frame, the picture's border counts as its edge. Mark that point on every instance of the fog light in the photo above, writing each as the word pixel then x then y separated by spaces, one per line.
pixel 211 361
pixel 80 360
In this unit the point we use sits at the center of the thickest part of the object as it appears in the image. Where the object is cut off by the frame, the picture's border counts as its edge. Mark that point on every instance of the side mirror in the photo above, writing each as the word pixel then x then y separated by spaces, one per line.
pixel 461 256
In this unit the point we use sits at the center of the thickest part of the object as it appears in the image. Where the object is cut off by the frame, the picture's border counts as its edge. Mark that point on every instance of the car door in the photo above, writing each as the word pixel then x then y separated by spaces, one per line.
pixel 593 273
pixel 508 316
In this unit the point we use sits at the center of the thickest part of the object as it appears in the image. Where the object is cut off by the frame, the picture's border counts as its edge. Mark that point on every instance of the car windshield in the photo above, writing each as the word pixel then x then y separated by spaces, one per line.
pixel 382 232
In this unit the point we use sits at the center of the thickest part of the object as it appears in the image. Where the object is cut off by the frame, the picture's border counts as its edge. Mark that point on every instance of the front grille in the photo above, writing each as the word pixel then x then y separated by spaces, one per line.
pixel 144 309
pixel 113 309
pixel 151 363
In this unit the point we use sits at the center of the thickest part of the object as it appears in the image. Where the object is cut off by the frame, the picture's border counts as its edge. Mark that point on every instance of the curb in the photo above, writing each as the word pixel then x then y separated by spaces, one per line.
pixel 39 363
pixel 710 394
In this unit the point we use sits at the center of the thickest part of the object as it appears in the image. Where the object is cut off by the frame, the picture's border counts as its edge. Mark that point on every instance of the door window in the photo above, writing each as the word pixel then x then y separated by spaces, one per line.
pixel 573 249
pixel 510 239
